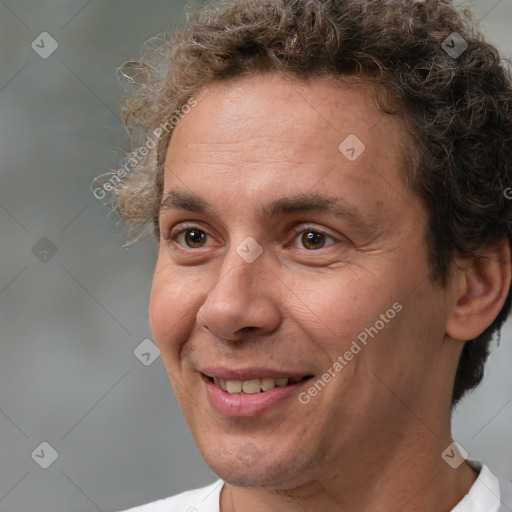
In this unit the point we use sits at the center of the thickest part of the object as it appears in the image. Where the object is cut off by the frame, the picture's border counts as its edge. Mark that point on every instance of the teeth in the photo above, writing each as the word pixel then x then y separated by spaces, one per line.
pixel 253 385
pixel 267 384
pixel 234 386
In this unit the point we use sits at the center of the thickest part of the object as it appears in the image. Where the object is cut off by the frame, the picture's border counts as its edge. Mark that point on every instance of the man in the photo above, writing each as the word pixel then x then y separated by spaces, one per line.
pixel 334 248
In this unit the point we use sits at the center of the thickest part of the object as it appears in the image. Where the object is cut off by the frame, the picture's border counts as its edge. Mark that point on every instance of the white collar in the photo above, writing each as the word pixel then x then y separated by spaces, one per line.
pixel 484 495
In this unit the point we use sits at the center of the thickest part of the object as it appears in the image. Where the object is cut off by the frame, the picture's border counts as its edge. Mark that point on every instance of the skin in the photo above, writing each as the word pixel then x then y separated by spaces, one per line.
pixel 372 438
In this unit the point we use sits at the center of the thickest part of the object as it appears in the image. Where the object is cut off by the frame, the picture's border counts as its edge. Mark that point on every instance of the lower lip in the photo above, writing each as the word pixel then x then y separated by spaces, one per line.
pixel 247 405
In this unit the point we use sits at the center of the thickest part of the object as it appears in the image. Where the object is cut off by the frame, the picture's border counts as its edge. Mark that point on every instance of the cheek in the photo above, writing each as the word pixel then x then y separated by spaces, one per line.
pixel 344 308
pixel 158 320
pixel 171 311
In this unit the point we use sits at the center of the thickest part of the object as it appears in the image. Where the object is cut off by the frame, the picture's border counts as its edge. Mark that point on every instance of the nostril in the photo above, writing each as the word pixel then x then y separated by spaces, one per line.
pixel 240 332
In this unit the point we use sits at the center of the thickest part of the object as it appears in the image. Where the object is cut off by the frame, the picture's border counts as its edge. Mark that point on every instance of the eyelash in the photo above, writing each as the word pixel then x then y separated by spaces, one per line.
pixel 175 234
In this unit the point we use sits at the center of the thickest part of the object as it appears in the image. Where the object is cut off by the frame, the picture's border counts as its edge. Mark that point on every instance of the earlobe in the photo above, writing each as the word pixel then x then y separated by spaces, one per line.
pixel 480 287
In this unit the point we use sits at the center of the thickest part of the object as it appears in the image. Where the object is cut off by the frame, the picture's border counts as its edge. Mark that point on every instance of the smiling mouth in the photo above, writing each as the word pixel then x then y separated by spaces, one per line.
pixel 253 386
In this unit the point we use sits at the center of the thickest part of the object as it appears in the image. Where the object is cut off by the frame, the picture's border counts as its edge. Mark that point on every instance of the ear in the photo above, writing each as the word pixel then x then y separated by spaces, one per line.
pixel 479 286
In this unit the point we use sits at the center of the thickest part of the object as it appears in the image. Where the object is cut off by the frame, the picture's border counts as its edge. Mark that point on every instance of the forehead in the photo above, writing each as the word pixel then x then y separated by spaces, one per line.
pixel 279 113
pixel 269 135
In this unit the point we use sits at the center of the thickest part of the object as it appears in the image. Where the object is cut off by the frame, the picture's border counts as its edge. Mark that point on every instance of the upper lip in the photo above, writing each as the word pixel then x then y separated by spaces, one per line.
pixel 250 373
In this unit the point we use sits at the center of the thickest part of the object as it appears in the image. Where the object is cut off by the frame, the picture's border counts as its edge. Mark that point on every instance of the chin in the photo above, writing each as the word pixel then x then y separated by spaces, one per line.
pixel 247 467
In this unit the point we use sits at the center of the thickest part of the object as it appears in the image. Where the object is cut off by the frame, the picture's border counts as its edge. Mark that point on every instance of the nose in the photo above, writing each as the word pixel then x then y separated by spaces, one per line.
pixel 244 299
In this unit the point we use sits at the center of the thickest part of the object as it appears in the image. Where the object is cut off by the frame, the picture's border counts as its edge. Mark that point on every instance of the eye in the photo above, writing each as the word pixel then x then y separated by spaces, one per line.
pixel 313 239
pixel 189 236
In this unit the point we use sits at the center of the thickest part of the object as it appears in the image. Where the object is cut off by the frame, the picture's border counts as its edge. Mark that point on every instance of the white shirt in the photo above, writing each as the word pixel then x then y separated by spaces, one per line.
pixel 487 494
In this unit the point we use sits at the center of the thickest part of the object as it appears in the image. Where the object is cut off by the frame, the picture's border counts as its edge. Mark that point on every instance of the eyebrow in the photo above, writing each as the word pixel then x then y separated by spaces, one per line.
pixel 337 206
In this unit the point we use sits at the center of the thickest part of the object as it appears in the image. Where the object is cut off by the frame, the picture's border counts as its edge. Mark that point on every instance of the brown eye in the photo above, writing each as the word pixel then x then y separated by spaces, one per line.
pixel 313 240
pixel 194 238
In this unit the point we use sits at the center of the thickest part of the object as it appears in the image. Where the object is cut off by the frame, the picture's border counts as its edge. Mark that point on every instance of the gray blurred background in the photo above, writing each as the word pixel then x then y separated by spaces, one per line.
pixel 73 300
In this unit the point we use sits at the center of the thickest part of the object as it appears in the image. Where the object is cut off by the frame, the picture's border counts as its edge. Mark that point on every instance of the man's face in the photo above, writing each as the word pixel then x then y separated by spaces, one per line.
pixel 262 277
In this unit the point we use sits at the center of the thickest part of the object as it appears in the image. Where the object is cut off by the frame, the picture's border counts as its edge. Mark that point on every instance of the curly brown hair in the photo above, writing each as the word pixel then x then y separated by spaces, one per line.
pixel 456 108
